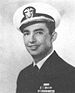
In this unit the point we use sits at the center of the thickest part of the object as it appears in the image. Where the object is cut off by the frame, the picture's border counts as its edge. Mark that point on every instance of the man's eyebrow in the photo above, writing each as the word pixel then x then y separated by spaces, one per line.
pixel 39 29
pixel 25 30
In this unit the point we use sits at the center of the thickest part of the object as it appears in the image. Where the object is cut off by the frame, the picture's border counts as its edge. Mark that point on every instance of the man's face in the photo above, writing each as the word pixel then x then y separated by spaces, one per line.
pixel 37 39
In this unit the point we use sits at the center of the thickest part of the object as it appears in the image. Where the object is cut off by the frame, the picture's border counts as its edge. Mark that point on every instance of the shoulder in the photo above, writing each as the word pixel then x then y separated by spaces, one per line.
pixel 25 71
pixel 64 63
pixel 64 66
pixel 59 65
pixel 60 61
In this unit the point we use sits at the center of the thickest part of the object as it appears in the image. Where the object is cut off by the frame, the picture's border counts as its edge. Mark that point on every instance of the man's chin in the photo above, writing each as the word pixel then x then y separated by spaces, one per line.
pixel 33 53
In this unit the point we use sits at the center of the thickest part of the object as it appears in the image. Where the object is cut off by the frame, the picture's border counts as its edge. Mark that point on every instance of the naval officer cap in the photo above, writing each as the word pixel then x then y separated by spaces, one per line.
pixel 35 12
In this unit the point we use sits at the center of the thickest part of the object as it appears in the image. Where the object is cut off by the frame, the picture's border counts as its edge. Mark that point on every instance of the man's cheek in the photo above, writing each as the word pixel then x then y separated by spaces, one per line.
pixel 25 41
pixel 41 38
pixel 41 41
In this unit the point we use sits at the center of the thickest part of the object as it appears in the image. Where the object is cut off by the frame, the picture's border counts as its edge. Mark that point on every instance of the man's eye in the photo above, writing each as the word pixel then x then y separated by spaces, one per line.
pixel 40 32
pixel 25 34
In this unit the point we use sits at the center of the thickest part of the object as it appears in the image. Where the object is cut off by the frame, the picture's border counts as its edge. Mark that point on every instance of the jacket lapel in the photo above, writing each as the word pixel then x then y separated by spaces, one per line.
pixel 52 66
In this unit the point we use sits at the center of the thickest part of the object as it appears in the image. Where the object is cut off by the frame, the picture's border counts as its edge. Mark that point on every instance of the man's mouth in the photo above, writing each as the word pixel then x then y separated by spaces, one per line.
pixel 33 47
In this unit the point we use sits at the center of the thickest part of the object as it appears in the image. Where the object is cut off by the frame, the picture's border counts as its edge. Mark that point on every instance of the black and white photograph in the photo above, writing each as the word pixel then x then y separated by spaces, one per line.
pixel 37 46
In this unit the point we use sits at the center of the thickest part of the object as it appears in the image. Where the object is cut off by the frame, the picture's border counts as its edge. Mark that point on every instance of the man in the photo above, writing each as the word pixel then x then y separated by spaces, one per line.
pixel 37 22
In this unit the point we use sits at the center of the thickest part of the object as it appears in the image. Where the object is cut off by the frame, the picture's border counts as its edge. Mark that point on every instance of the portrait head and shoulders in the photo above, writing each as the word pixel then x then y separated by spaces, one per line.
pixel 38 26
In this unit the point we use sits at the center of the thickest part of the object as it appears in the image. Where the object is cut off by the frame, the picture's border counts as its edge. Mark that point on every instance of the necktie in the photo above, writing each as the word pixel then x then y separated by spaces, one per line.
pixel 36 69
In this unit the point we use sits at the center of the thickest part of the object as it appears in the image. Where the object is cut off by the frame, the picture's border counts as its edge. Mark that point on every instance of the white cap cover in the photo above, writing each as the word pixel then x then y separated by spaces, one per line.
pixel 35 12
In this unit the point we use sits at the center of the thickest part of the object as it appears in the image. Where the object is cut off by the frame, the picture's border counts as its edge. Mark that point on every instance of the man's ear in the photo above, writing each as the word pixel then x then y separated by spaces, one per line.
pixel 54 36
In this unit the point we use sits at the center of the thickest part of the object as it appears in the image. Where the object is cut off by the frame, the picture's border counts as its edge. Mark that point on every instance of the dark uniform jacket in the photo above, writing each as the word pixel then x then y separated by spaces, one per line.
pixel 55 71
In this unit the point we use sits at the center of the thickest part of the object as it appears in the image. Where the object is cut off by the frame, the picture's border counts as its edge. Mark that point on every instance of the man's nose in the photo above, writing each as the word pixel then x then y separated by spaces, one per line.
pixel 32 38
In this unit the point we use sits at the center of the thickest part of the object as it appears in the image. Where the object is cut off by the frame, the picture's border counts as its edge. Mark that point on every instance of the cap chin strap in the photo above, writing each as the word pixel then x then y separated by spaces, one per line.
pixel 38 15
pixel 34 20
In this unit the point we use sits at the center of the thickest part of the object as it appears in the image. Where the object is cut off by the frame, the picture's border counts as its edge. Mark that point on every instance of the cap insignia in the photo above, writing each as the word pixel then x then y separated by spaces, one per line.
pixel 29 12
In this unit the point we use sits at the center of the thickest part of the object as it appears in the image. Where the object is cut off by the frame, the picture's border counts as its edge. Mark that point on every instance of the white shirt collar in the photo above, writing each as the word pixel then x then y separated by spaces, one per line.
pixel 40 63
